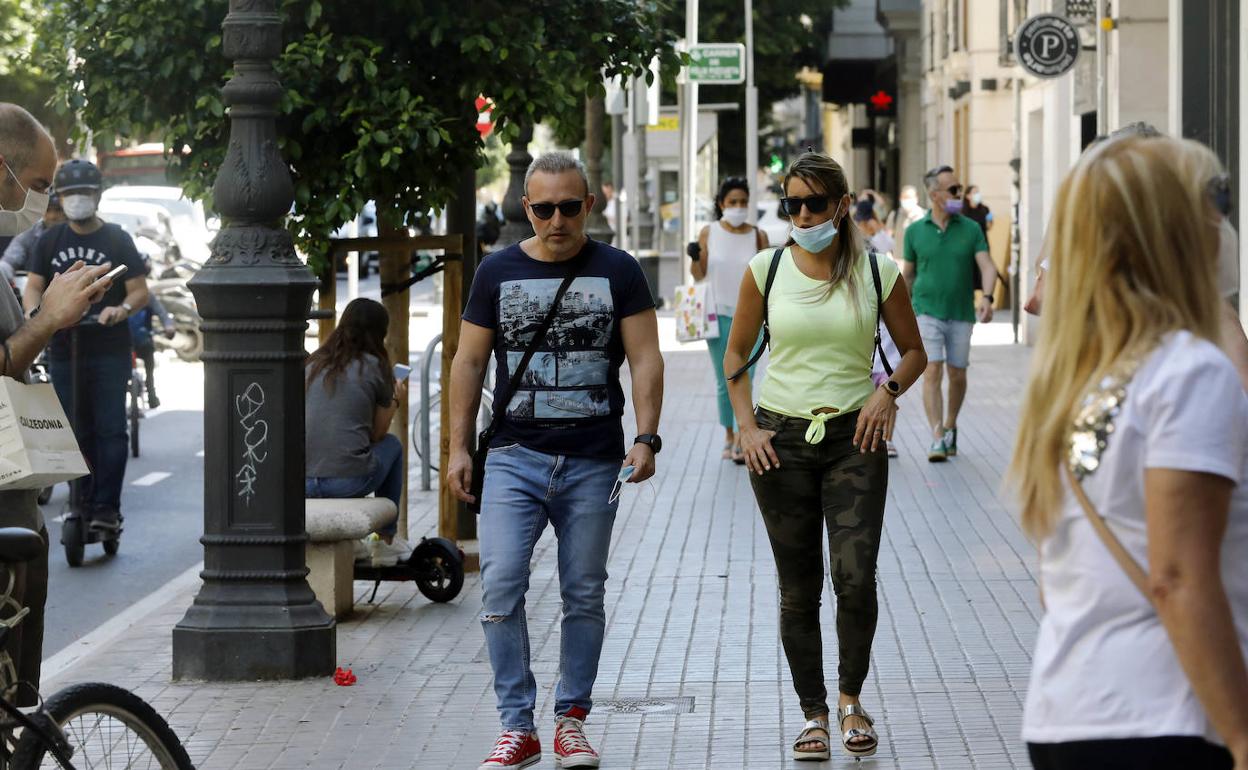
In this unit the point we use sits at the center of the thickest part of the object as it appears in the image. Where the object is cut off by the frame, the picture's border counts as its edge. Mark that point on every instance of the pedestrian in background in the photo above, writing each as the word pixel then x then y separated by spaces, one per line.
pixel 815 445
pixel 881 242
pixel 103 360
pixel 351 398
pixel 724 251
pixel 973 208
pixel 558 453
pixel 1130 462
pixel 145 344
pixel 906 214
pixel 941 251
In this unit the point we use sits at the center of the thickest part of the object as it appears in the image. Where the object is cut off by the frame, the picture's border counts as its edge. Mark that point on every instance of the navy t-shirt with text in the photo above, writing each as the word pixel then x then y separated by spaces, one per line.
pixel 58 249
pixel 569 401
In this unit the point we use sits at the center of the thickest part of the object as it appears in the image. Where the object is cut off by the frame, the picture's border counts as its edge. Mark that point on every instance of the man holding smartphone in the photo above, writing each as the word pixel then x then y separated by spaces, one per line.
pixel 104 336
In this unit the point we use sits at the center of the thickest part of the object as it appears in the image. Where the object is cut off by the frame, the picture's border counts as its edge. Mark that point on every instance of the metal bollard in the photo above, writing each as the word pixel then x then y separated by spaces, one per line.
pixel 425 458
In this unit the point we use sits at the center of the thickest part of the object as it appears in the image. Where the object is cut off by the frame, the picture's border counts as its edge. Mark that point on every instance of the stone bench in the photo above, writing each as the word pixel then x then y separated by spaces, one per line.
pixel 333 526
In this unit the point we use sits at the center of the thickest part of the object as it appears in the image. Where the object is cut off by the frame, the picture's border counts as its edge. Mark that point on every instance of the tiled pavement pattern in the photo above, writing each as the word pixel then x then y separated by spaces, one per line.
pixel 692 613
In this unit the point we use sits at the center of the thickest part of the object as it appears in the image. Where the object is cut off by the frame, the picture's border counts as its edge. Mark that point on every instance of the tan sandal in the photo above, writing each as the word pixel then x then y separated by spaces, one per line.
pixel 807 735
pixel 862 748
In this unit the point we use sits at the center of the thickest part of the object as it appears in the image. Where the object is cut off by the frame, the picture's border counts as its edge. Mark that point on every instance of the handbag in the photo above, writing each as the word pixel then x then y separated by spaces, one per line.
pixel 695 312
pixel 500 404
pixel 37 443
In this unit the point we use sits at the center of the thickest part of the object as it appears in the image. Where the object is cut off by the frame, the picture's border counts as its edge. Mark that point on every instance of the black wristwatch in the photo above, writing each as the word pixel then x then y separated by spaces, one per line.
pixel 651 440
pixel 989 298
pixel 892 388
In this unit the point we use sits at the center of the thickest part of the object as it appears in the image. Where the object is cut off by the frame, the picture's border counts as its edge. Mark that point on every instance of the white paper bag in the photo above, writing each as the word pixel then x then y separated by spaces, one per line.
pixel 695 313
pixel 37 443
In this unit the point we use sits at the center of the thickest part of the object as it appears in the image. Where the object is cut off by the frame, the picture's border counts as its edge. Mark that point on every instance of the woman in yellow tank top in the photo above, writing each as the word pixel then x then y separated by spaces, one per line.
pixel 816 444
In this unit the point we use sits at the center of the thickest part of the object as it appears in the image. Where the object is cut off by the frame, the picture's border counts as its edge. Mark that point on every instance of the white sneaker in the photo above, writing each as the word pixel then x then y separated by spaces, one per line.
pixel 388 554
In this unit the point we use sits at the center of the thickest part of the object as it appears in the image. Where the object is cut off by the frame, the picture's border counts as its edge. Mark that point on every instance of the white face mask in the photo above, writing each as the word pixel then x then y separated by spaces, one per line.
pixel 78 208
pixel 32 210
pixel 909 204
pixel 736 216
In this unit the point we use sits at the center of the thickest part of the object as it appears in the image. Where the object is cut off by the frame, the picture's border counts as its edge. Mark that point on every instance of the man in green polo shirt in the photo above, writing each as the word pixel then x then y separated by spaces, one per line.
pixel 940 252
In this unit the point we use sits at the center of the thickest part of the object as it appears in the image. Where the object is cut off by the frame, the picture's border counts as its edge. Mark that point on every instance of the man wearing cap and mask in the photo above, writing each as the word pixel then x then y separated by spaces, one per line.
pixel 27 164
pixel 103 362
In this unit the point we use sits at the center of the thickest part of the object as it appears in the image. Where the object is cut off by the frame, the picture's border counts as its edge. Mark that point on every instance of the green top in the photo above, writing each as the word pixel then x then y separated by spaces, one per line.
pixel 943 265
pixel 820 347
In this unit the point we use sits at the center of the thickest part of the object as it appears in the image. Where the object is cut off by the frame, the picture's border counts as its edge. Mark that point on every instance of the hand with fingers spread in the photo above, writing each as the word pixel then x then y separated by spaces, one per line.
pixel 760 456
pixel 70 294
pixel 875 422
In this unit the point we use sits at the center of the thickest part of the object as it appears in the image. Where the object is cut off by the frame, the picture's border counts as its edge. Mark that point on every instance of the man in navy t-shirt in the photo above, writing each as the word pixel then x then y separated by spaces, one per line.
pixel 104 336
pixel 560 446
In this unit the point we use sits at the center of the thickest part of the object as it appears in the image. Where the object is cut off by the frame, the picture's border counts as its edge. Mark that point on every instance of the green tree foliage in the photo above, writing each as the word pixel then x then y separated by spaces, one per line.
pixel 21 80
pixel 378 97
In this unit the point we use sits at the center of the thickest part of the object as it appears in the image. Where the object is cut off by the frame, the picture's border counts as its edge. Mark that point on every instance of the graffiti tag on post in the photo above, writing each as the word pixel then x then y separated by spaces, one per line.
pixel 255 436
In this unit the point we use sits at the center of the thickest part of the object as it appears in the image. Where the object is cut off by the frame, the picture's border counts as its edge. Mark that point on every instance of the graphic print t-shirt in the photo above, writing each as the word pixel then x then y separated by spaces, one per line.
pixel 569 401
pixel 61 247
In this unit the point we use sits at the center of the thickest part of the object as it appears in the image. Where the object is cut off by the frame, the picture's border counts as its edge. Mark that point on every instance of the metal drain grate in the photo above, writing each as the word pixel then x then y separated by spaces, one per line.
pixel 680 704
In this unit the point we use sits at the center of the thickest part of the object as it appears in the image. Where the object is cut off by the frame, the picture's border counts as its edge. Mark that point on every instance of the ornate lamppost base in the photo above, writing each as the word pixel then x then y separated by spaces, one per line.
pixel 249 654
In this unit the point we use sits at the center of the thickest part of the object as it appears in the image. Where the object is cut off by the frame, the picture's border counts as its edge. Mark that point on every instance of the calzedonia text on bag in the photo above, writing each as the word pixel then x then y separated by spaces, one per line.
pixel 37 443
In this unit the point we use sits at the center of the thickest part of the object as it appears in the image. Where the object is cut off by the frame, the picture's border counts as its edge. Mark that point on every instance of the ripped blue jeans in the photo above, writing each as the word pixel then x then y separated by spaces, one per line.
pixel 524 490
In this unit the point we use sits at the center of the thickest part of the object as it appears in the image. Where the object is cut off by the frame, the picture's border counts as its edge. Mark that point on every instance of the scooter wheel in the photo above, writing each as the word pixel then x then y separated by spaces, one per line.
pixel 438 568
pixel 111 546
pixel 71 538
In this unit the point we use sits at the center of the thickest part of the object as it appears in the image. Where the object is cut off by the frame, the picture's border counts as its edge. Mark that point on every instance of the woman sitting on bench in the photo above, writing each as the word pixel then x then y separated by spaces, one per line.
pixel 352 396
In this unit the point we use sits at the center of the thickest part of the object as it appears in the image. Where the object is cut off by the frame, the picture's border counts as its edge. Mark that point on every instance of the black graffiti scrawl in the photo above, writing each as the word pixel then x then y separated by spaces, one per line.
pixel 567 378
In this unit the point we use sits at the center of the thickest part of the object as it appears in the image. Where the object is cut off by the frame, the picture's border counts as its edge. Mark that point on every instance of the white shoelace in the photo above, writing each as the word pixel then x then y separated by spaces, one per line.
pixel 508 743
pixel 571 736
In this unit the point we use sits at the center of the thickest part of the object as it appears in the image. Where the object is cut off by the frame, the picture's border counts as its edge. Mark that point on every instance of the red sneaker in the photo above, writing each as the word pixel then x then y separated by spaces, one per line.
pixel 514 748
pixel 572 748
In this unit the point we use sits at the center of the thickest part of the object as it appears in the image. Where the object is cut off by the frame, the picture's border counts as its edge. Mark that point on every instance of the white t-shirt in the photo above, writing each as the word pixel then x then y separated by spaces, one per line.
pixel 727 260
pixel 1104 666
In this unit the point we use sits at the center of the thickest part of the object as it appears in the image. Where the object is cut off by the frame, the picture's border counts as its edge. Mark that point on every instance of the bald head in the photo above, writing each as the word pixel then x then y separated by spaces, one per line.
pixel 27 150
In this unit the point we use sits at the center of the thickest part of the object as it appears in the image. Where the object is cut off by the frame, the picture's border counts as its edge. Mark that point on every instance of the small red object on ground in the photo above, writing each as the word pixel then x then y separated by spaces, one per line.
pixel 343 677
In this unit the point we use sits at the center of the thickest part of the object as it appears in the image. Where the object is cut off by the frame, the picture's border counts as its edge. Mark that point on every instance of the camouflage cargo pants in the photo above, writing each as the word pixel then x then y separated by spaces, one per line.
pixel 833 483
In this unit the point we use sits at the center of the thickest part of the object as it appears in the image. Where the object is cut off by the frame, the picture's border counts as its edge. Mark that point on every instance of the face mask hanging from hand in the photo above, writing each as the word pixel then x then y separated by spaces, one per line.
pixel 816 238
pixel 32 210
pixel 736 216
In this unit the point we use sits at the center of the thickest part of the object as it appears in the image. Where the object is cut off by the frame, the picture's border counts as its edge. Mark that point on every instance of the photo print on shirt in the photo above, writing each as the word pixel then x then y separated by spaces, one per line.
pixel 568 379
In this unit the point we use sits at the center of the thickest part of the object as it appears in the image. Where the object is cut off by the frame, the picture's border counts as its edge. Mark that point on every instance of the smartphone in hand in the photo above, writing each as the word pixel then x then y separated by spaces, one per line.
pixel 113 274
pixel 402 372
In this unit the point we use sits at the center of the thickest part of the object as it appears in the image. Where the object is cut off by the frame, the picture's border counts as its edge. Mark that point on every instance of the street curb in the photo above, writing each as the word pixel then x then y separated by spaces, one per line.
pixel 103 634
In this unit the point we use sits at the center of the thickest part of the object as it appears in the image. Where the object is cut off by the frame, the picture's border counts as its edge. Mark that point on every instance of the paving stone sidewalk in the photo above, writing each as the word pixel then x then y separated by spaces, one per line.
pixel 693 674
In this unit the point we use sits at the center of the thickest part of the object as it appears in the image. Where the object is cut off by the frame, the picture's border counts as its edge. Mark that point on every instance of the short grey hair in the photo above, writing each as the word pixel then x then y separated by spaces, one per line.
pixel 929 179
pixel 20 133
pixel 556 162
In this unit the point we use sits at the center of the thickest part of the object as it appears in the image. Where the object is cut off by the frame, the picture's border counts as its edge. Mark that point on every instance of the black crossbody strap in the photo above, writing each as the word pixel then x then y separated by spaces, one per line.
pixel 879 305
pixel 771 278
pixel 500 405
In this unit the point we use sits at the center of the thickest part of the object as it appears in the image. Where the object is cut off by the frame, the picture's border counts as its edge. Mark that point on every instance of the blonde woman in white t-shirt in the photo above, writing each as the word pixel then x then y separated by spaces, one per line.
pixel 1131 394
pixel 724 252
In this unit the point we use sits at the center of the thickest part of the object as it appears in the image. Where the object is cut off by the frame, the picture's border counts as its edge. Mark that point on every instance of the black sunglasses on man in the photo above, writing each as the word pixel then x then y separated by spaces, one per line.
pixel 545 211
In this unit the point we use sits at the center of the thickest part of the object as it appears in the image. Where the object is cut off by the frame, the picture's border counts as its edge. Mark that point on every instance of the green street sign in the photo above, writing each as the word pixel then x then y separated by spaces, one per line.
pixel 717 63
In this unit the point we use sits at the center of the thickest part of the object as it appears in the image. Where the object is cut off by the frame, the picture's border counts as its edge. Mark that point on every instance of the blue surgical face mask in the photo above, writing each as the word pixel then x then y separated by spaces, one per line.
pixel 953 206
pixel 816 237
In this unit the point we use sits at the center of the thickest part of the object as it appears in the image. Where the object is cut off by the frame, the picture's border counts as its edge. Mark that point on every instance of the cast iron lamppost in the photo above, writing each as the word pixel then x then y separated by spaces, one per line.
pixel 517 226
pixel 255 616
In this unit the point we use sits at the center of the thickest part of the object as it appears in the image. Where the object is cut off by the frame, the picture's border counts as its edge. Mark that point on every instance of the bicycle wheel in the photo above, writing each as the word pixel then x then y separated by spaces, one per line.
pixel 106 727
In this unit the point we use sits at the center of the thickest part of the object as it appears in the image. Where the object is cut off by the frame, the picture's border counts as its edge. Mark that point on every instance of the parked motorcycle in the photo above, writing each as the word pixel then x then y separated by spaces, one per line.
pixel 170 288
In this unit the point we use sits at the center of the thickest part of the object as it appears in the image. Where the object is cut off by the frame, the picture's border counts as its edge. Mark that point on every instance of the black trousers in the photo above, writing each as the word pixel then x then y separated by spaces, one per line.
pixel 1165 753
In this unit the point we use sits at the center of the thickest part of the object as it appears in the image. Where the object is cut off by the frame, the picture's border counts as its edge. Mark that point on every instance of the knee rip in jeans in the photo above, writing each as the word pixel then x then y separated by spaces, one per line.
pixel 494 617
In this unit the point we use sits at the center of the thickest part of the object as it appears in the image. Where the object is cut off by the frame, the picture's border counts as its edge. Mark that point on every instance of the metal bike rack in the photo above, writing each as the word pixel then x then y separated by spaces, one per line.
pixel 425 459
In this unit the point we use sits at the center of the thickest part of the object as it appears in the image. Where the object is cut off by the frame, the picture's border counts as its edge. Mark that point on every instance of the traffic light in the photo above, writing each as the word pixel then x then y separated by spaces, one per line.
pixel 775 164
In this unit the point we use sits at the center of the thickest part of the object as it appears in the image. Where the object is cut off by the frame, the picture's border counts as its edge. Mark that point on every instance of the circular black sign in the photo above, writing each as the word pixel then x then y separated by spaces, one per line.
pixel 1047 45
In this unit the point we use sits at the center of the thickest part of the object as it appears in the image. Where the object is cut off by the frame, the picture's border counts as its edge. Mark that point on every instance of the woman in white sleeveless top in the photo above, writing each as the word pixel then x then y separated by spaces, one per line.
pixel 725 249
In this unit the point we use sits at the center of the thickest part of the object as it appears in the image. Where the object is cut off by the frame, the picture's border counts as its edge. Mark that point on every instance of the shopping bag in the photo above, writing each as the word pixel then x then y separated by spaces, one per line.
pixel 37 443
pixel 695 313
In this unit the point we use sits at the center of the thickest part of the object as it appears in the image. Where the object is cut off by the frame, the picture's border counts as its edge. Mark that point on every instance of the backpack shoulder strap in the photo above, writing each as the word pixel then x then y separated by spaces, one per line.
pixel 771 279
pixel 879 304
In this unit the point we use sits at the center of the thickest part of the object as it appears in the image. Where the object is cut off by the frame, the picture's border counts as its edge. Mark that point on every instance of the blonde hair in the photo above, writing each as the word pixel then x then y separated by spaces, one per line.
pixel 1133 258
pixel 823 174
